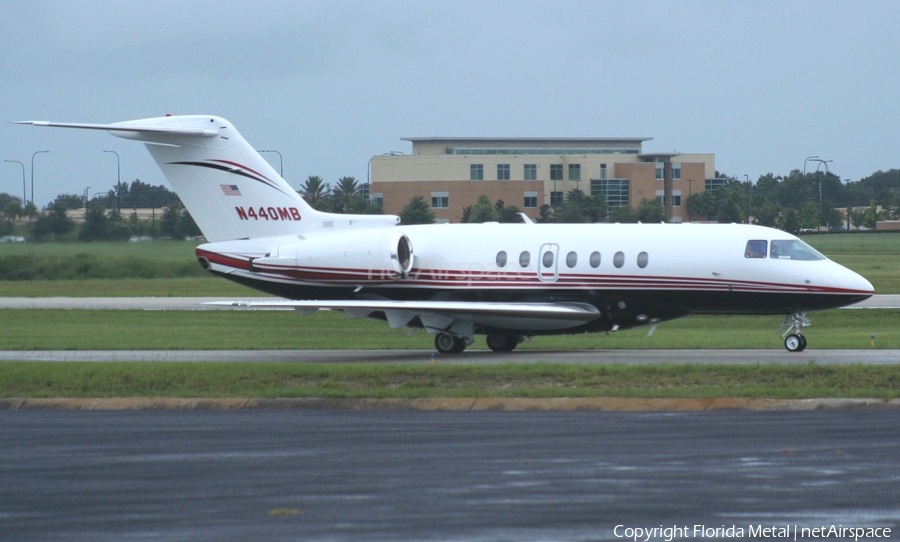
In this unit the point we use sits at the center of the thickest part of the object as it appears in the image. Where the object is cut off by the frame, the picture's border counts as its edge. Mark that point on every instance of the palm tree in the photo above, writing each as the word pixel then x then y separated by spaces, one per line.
pixel 342 196
pixel 313 191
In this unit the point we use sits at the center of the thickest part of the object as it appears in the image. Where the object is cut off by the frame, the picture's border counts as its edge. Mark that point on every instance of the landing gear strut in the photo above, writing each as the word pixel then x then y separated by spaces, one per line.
pixel 793 326
pixel 446 343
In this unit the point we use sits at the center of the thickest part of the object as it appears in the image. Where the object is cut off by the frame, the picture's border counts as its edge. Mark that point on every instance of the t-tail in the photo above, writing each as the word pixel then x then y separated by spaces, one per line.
pixel 230 190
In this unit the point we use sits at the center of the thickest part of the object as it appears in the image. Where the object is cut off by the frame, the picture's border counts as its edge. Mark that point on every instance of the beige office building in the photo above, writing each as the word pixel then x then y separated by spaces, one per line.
pixel 451 173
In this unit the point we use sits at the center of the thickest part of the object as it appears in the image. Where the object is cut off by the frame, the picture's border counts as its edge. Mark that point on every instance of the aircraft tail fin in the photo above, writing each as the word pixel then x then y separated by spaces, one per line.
pixel 230 190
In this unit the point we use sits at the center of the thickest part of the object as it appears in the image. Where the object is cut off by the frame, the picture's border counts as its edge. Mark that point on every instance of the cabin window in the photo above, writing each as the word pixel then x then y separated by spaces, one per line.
pixel 793 249
pixel 595 259
pixel 643 260
pixel 755 249
pixel 524 259
pixel 501 258
pixel 547 260
pixel 571 259
pixel 619 259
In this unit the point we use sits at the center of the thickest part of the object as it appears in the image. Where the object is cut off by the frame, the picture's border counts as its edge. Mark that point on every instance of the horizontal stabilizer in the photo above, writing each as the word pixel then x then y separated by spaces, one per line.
pixel 133 126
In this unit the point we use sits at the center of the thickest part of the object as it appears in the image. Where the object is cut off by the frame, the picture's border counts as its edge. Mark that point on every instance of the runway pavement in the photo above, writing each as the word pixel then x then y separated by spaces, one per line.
pixel 462 476
pixel 414 356
pixel 738 357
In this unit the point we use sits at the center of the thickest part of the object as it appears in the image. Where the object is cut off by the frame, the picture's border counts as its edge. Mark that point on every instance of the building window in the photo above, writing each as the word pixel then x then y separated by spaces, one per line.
pixel 661 169
pixel 574 172
pixel 531 200
pixel 676 200
pixel 603 171
pixel 712 184
pixel 476 172
pixel 556 172
pixel 377 199
pixel 556 198
pixel 502 172
pixel 614 190
pixel 440 200
pixel 676 171
pixel 530 172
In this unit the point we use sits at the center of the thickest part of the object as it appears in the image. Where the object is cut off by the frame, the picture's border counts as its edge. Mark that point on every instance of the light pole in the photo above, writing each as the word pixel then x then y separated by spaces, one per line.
pixel 747 177
pixel 819 178
pixel 118 177
pixel 32 173
pixel 87 190
pixel 690 193
pixel 280 163
pixel 807 160
pixel 24 200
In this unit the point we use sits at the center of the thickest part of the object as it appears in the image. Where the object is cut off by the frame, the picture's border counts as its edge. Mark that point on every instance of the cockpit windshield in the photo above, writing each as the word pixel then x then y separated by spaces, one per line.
pixel 793 249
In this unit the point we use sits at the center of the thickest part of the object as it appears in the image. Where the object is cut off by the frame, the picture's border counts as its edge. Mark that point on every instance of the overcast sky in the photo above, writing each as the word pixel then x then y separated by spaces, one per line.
pixel 762 85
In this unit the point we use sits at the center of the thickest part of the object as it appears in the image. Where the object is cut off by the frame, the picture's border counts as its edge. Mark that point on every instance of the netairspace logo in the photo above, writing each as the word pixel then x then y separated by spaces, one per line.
pixel 756 532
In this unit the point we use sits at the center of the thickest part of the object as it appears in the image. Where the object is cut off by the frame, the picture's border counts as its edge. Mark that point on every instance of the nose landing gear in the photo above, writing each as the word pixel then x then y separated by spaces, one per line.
pixel 793 326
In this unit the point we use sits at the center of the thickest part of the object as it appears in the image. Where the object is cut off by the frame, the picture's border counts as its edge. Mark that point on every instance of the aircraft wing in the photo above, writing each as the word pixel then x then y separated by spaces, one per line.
pixel 442 315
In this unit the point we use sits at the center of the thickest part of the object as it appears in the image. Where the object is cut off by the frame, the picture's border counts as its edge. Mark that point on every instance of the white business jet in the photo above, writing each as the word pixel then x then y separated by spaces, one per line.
pixel 505 281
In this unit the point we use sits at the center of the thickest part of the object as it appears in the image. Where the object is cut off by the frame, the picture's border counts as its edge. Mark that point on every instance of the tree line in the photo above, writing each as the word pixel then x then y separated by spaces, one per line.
pixel 104 219
pixel 793 202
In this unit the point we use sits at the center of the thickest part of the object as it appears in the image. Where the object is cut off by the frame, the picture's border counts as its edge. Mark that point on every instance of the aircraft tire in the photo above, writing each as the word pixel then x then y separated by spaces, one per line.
pixel 446 343
pixel 503 343
pixel 795 342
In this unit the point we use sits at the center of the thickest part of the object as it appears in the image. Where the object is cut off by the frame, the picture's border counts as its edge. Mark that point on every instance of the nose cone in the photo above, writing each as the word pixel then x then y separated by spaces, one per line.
pixel 850 285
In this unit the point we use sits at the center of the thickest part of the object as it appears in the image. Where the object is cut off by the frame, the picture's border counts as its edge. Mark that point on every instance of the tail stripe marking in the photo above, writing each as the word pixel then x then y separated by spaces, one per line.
pixel 236 169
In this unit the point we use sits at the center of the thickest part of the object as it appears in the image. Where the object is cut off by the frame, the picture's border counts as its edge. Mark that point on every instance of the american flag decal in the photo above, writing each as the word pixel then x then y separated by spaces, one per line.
pixel 230 189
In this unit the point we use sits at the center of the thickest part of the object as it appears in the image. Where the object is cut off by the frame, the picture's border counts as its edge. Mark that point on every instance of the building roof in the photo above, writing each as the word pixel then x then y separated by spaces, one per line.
pixel 500 141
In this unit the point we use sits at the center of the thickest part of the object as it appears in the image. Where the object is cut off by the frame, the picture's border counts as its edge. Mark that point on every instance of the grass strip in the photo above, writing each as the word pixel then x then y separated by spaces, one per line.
pixel 204 286
pixel 362 380
pixel 332 330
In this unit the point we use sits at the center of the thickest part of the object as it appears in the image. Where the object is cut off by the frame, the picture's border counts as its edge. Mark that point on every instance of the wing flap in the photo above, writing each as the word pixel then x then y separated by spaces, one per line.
pixel 565 314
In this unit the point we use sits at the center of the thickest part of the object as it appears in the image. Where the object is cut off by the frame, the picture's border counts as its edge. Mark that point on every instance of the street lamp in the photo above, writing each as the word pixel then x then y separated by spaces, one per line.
pixel 690 193
pixel 817 174
pixel 24 199
pixel 747 177
pixel 807 160
pixel 280 163
pixel 87 190
pixel 32 173
pixel 118 177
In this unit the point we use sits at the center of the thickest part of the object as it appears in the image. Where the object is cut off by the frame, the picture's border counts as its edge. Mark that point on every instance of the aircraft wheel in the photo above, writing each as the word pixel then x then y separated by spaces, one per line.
pixel 503 343
pixel 795 342
pixel 448 344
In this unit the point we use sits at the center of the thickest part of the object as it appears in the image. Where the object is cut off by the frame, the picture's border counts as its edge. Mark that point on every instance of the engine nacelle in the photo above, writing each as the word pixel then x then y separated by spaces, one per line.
pixel 371 253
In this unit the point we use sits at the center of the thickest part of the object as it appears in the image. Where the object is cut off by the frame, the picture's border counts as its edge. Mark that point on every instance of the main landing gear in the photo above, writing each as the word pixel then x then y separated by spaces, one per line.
pixel 445 343
pixel 793 326
pixel 503 343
